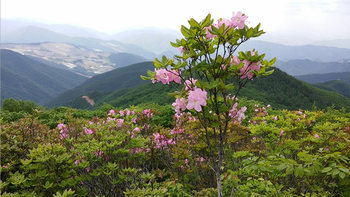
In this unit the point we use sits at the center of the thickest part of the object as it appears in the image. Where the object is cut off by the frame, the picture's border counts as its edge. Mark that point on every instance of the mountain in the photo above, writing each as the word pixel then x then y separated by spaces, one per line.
pixel 340 43
pixel 119 78
pixel 33 34
pixel 27 79
pixel 280 90
pixel 9 25
pixel 125 59
pixel 156 40
pixel 319 78
pixel 305 67
pixel 79 59
pixel 336 86
pixel 286 53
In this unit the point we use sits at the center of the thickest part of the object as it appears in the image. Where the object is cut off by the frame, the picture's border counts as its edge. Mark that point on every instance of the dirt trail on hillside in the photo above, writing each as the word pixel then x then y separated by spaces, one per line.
pixel 89 100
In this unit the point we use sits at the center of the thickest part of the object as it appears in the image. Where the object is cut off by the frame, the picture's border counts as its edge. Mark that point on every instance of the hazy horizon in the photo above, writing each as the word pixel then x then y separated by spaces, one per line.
pixel 286 22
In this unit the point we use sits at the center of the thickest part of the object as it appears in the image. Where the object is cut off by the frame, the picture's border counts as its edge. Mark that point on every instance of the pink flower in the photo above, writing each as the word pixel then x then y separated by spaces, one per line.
pixel 235 61
pixel 316 136
pixel 223 67
pixel 61 126
pixel 137 129
pixel 111 112
pixel 196 99
pixel 162 76
pixel 182 167
pixel 240 114
pixel 281 133
pixel 238 19
pixel 120 122
pixel 275 118
pixel 128 112
pixel 186 161
pixel 227 22
pixel 190 84
pixel 160 175
pixel 174 76
pixel 89 131
pixel 180 104
pixel 181 48
pixel 121 112
pixel 209 35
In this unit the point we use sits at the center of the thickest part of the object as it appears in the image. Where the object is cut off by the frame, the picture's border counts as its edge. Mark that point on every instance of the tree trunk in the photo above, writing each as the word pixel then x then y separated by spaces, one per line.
pixel 218 182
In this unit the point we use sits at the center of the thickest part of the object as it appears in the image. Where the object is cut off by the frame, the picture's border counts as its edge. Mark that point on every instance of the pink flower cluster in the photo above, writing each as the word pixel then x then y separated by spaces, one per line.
pixel 98 153
pixel 148 113
pixel 161 141
pixel 237 20
pixel 165 76
pixel 246 70
pixel 196 99
pixel 237 115
pixel 200 160
pixel 63 131
pixel 138 150
pixel 89 131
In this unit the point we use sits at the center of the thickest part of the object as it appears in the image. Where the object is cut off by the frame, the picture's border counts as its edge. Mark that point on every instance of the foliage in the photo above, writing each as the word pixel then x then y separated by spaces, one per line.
pixel 214 145
pixel 260 159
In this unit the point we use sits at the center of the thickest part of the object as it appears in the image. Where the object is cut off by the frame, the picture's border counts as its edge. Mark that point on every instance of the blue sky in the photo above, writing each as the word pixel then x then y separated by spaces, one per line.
pixel 293 21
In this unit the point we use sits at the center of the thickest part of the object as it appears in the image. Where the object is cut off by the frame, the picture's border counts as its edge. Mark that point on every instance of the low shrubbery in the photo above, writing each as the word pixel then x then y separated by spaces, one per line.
pixel 135 153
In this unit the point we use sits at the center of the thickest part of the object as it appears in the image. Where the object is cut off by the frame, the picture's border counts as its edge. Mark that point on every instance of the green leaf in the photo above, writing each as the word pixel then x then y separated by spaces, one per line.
pixel 298 171
pixel 185 31
pixel 342 175
pixel 344 170
pixel 267 73
pixel 250 32
pixel 327 169
pixel 193 23
pixel 145 78
pixel 207 21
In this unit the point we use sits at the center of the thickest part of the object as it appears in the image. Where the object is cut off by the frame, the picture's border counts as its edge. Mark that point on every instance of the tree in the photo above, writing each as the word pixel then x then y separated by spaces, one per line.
pixel 209 70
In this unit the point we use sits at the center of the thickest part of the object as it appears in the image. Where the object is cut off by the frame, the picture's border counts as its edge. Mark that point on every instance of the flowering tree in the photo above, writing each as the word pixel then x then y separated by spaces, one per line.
pixel 212 74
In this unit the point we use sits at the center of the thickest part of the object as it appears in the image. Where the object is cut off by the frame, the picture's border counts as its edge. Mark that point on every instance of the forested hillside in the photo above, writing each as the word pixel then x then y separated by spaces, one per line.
pixel 279 89
pixel 25 78
pixel 125 77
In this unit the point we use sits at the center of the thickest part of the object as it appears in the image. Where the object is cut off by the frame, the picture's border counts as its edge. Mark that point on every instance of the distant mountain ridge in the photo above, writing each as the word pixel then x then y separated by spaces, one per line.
pixel 320 78
pixel 304 67
pixel 33 34
pixel 340 43
pixel 27 79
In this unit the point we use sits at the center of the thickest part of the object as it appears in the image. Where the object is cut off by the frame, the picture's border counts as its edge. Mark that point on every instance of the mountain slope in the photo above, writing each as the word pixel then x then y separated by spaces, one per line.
pixel 304 67
pixel 286 53
pixel 125 77
pixel 336 86
pixel 279 89
pixel 24 78
pixel 125 59
pixel 319 78
pixel 33 34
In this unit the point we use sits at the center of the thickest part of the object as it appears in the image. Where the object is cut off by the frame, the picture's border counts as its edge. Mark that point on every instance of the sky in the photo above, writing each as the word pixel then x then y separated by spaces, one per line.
pixel 286 21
